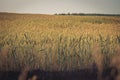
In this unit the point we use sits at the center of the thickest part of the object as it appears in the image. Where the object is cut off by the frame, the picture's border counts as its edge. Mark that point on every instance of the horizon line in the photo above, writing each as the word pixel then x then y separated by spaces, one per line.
pixel 66 13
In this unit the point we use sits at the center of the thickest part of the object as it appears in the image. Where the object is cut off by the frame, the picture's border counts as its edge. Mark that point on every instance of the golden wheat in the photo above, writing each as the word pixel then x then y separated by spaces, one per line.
pixel 56 42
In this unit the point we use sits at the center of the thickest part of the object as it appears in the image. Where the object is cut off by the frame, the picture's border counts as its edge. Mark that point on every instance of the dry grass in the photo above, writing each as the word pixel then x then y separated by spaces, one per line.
pixel 116 59
pixel 24 73
pixel 98 59
pixel 57 42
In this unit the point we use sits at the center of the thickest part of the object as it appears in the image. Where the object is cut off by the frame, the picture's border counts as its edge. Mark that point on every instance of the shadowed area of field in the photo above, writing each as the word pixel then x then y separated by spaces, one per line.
pixel 11 75
pixel 84 74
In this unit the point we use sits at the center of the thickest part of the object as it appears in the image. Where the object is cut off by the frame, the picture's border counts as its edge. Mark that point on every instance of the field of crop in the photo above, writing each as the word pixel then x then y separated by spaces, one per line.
pixel 57 43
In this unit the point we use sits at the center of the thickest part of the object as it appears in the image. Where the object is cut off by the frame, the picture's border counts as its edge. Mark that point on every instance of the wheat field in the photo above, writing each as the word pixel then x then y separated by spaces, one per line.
pixel 56 42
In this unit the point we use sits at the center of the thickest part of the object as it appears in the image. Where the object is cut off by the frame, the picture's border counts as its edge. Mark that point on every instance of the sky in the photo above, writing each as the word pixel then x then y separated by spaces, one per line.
pixel 60 6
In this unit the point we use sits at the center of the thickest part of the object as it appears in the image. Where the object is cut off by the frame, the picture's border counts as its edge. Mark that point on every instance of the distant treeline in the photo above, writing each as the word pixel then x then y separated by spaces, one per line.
pixel 87 14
